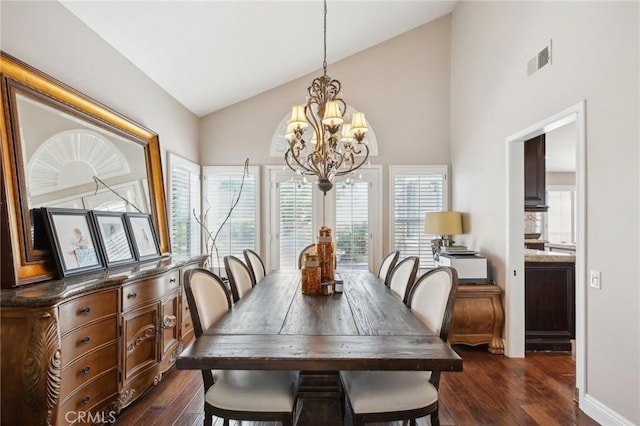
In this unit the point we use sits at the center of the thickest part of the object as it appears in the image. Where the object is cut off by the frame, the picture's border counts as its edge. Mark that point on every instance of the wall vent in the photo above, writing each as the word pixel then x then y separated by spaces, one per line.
pixel 541 59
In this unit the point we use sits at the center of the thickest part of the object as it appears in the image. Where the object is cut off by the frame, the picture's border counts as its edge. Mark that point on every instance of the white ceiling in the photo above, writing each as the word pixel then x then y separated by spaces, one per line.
pixel 212 54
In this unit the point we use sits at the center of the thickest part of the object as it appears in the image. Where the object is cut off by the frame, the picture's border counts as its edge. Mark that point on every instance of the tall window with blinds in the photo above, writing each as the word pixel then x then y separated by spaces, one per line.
pixel 184 197
pixel 414 191
pixel 561 216
pixel 237 230
pixel 352 224
pixel 295 221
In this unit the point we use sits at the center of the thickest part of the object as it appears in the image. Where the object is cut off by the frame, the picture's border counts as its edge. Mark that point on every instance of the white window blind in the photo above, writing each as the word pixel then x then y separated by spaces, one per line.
pixel 240 231
pixel 414 192
pixel 184 196
pixel 352 224
pixel 295 221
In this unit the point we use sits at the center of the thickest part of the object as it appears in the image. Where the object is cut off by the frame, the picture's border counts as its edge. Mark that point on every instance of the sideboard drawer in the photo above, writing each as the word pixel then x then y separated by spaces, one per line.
pixel 84 309
pixel 87 368
pixel 144 291
pixel 84 339
pixel 88 397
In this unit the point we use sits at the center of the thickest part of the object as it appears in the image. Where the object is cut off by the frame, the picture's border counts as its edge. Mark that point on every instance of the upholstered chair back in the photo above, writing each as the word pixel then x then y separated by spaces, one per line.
pixel 207 297
pixel 403 277
pixel 239 277
pixel 432 299
pixel 255 265
pixel 388 263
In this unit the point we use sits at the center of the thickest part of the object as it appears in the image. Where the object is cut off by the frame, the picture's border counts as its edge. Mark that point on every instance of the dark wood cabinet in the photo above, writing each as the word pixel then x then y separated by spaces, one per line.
pixel 90 344
pixel 549 305
pixel 535 197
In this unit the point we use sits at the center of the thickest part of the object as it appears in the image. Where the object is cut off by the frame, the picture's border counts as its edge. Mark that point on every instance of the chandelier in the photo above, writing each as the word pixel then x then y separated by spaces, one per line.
pixel 332 148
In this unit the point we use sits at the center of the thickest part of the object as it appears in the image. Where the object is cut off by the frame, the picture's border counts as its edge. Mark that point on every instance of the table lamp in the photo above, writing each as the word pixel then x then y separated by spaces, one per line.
pixel 444 224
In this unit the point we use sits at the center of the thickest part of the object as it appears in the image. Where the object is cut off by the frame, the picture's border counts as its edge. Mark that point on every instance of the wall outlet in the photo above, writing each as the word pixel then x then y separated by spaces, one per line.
pixel 594 280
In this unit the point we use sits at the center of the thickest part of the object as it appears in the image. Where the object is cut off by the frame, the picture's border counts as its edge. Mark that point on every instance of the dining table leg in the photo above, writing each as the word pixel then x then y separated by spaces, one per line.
pixel 320 399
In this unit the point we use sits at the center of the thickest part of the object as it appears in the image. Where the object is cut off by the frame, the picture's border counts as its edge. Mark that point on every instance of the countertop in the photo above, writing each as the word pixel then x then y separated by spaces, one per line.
pixel 528 241
pixel 547 256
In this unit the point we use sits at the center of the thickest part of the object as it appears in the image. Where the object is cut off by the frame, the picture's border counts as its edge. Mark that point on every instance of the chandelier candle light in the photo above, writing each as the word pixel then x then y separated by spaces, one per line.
pixel 335 148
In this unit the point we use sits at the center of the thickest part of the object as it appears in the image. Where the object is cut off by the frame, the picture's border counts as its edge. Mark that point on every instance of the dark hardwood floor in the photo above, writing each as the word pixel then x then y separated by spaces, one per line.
pixel 492 390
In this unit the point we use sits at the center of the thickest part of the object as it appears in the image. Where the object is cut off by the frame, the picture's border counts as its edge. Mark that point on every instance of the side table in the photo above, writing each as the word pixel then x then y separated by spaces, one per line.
pixel 478 316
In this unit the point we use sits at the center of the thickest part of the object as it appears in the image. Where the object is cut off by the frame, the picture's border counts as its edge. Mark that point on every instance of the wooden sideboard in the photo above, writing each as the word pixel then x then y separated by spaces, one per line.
pixel 478 316
pixel 91 344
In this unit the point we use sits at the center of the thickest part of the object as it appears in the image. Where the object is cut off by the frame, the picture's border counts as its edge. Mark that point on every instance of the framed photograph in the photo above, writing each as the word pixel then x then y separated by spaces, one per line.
pixel 73 240
pixel 114 236
pixel 145 242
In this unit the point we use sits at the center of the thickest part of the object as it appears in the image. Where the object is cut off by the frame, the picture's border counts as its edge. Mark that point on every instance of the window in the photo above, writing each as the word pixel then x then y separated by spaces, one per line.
pixel 351 210
pixel 414 191
pixel 352 224
pixel 561 226
pixel 237 231
pixel 184 199
pixel 295 221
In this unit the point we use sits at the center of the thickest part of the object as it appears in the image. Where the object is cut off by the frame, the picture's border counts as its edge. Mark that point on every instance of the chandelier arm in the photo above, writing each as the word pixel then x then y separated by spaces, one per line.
pixel 352 169
pixel 291 154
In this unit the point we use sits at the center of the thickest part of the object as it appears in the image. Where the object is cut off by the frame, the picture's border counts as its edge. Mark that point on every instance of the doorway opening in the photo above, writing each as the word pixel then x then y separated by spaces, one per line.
pixel 514 285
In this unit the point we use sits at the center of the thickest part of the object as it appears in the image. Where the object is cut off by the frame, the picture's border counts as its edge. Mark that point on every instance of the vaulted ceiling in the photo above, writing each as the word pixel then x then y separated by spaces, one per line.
pixel 212 54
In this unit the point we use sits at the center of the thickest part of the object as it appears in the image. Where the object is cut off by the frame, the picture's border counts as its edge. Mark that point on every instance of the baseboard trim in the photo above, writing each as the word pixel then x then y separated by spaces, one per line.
pixel 601 413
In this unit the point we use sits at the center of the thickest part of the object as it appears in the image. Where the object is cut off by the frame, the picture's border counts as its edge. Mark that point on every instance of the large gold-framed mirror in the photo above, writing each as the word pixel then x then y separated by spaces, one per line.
pixel 61 148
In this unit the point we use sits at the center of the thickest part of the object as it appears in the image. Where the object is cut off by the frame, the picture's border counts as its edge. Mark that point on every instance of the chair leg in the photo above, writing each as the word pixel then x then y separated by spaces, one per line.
pixel 413 422
pixel 435 419
pixel 208 419
pixel 225 422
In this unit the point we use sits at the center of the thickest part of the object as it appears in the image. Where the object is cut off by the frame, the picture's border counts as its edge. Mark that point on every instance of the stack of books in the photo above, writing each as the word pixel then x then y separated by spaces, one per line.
pixel 455 250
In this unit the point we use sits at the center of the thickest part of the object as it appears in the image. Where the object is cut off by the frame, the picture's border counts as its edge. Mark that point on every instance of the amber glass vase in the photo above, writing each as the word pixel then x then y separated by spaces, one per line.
pixel 311 274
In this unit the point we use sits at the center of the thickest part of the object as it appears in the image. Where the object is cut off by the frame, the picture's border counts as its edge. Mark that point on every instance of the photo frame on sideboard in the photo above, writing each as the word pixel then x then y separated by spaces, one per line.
pixel 73 239
pixel 145 241
pixel 116 242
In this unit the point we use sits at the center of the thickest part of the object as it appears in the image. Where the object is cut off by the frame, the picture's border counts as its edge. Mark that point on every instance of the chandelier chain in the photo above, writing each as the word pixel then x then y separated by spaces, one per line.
pixel 324 63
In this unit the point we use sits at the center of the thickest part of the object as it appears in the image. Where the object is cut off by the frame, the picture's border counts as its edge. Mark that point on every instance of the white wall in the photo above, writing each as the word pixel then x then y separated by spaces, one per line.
pixel 402 86
pixel 595 57
pixel 48 37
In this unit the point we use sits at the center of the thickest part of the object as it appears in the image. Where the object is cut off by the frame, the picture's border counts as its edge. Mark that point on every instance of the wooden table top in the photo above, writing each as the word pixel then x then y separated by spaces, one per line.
pixel 276 327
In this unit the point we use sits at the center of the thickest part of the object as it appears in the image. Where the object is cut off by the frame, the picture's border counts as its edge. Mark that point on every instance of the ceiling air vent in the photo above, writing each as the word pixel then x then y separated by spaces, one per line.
pixel 541 59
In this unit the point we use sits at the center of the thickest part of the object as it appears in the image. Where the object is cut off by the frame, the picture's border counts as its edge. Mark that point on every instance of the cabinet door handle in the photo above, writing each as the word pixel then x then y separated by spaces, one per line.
pixel 132 295
pixel 86 370
pixel 172 280
pixel 85 400
pixel 86 310
pixel 85 340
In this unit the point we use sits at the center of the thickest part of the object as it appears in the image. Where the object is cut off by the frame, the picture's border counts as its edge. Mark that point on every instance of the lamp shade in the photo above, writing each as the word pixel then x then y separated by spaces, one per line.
pixel 359 123
pixel 332 114
pixel 298 118
pixel 443 223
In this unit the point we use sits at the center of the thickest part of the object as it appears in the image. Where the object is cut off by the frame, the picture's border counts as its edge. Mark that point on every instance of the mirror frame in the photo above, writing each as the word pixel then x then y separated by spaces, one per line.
pixel 29 264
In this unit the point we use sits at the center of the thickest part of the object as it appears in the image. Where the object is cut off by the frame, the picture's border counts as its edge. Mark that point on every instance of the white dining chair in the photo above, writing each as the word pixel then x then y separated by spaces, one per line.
pixel 256 395
pixel 383 396
pixel 239 276
pixel 255 264
pixel 403 276
pixel 387 265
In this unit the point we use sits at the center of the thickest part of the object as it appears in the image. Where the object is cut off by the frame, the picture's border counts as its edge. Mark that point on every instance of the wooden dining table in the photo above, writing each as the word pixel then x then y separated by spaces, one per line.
pixel 276 327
